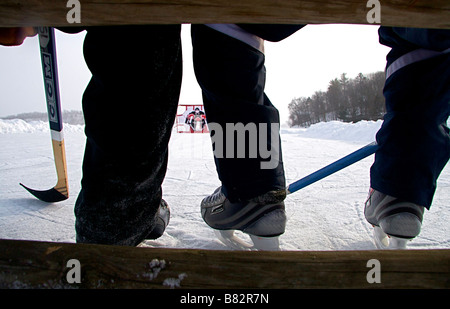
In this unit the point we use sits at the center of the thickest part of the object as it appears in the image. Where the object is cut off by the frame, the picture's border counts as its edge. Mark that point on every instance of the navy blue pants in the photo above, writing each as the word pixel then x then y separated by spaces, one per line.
pixel 414 141
pixel 232 76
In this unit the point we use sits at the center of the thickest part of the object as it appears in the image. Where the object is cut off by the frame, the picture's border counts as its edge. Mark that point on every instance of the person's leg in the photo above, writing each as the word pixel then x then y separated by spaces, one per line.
pixel 414 141
pixel 231 74
pixel 244 125
pixel 129 107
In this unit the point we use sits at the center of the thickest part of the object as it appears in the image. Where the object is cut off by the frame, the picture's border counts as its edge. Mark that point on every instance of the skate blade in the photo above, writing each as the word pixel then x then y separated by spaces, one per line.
pixel 266 243
pixel 385 242
pixel 228 238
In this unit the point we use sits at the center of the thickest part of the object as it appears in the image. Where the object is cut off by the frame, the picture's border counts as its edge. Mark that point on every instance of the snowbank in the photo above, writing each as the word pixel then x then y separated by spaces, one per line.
pixel 362 131
pixel 12 126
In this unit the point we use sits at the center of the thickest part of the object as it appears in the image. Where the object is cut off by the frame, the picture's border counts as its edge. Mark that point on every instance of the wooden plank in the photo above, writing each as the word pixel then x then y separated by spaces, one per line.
pixel 403 13
pixel 31 264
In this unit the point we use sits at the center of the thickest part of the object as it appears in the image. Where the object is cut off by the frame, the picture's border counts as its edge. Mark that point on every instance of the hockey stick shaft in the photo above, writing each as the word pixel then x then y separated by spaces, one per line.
pixel 51 84
pixel 333 167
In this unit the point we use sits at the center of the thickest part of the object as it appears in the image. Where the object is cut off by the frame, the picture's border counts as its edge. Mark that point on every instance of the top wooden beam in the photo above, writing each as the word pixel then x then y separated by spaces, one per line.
pixel 401 13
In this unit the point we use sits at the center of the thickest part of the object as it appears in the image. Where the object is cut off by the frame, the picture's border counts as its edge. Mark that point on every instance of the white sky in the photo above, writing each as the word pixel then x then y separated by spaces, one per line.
pixel 297 66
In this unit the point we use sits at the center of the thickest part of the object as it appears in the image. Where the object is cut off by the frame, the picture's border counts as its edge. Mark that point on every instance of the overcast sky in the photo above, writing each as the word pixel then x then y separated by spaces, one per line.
pixel 297 66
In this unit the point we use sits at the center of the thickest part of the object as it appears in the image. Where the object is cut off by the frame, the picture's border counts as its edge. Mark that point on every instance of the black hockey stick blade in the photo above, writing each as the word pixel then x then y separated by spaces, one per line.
pixel 50 196
pixel 60 191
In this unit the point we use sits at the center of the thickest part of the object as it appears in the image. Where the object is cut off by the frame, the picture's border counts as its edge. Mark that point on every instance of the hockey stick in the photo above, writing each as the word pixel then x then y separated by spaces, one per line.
pixel 333 167
pixel 59 192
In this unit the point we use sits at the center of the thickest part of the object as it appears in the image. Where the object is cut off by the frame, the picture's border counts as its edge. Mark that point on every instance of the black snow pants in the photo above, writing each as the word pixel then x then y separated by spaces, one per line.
pixel 129 108
pixel 232 76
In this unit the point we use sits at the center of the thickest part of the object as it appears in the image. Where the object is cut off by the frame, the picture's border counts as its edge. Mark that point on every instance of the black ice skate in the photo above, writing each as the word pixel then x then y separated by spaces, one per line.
pixel 263 218
pixel 161 222
pixel 395 221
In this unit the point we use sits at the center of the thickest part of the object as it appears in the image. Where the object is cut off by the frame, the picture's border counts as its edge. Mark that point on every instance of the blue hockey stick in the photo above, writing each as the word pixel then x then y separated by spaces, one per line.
pixel 333 167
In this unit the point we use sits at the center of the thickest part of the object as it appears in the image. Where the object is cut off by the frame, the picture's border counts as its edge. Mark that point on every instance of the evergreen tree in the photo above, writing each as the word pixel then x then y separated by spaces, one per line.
pixel 348 100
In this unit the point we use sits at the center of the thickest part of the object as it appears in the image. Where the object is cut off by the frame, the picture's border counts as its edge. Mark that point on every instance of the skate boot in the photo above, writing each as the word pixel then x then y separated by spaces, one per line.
pixel 263 218
pixel 395 221
pixel 162 220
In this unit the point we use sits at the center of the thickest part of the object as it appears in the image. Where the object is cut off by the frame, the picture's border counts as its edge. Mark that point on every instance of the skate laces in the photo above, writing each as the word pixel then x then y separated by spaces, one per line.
pixel 271 197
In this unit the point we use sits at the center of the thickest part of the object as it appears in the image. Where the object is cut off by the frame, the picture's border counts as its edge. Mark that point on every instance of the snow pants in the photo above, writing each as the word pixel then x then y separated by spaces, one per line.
pixel 414 140
pixel 231 73
pixel 131 101
pixel 129 108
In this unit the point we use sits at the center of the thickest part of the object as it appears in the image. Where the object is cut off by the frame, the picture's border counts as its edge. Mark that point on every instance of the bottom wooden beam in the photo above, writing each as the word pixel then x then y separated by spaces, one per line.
pixel 32 264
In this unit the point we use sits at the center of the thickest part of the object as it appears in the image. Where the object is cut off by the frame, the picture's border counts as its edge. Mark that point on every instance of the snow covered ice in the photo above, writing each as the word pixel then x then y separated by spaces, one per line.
pixel 327 215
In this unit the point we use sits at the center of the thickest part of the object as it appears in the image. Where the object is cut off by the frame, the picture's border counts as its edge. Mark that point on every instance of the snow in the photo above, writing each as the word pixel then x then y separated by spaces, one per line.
pixel 327 215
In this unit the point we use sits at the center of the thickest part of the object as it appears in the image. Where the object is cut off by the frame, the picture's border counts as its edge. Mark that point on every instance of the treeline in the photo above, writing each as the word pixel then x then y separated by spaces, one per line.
pixel 71 117
pixel 346 99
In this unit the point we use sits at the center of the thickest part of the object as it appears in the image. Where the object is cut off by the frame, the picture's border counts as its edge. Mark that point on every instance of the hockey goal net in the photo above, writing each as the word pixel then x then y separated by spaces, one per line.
pixel 191 119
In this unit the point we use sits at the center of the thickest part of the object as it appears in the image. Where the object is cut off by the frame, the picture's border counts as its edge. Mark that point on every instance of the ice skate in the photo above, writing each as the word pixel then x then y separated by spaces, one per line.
pixel 263 218
pixel 161 221
pixel 395 221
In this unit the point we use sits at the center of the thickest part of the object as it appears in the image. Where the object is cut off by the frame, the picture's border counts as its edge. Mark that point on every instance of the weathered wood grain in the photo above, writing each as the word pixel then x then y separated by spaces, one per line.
pixel 31 264
pixel 404 13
